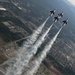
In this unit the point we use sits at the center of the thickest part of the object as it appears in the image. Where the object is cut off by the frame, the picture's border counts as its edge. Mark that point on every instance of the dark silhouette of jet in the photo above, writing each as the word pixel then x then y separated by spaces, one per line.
pixel 52 12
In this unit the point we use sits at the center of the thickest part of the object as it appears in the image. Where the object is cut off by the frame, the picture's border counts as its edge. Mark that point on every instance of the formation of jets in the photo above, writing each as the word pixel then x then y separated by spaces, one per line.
pixel 57 18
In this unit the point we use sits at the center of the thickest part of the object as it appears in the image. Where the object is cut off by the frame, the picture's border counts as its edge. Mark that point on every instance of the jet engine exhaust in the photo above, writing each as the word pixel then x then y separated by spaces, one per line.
pixel 16 68
pixel 37 61
pixel 32 51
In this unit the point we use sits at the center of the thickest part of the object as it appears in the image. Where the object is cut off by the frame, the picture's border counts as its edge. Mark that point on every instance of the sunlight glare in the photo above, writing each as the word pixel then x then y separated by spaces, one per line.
pixel 72 2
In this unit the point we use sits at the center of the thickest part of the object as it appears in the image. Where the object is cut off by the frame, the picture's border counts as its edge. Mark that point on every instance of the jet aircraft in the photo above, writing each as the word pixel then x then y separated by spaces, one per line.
pixel 65 22
pixel 60 15
pixel 52 12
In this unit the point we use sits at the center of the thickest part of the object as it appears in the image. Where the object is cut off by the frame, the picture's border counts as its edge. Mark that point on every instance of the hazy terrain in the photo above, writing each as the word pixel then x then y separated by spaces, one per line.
pixel 28 15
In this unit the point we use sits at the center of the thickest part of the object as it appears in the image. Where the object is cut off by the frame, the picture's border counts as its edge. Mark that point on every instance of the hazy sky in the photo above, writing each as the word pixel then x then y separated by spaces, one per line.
pixel 70 2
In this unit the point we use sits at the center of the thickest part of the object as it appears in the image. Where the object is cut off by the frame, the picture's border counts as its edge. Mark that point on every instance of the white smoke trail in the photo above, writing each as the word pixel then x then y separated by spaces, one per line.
pixel 30 52
pixel 16 69
pixel 36 63
pixel 30 41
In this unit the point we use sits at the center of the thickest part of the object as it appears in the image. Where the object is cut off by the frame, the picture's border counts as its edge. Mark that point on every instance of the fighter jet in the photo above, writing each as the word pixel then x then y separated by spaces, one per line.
pixel 52 12
pixel 60 15
pixel 56 18
pixel 65 22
